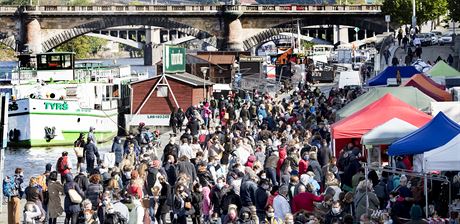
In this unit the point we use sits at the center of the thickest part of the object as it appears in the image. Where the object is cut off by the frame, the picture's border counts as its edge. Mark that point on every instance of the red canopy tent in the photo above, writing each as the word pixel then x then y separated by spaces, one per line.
pixel 356 125
pixel 429 87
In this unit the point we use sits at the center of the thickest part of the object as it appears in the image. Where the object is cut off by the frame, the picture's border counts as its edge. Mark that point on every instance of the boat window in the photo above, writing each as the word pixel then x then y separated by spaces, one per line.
pixel 78 120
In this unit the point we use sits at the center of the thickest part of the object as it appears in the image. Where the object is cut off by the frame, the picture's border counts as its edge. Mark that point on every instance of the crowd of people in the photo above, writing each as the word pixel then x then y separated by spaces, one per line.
pixel 230 160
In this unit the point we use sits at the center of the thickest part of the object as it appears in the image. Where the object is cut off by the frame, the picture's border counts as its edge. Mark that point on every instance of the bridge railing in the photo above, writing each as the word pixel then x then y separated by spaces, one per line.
pixel 8 8
pixel 198 8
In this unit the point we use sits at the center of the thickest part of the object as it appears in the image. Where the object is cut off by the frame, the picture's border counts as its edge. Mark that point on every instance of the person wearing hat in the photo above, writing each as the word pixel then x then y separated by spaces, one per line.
pixel 232 215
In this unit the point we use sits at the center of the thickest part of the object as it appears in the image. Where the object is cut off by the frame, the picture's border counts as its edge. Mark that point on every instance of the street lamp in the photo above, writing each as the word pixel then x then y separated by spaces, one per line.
pixel 204 70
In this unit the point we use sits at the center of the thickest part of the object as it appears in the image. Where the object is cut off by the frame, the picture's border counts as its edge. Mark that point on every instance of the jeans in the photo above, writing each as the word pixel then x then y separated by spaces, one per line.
pixel 271 175
pixel 152 209
pixel 52 221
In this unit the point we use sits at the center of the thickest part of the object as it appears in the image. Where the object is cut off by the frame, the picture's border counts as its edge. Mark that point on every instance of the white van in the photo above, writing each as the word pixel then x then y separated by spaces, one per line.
pixel 349 78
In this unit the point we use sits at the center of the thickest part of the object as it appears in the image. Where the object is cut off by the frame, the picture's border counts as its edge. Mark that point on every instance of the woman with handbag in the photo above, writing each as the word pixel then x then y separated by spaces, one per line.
pixel 78 147
pixel 181 205
pixel 73 197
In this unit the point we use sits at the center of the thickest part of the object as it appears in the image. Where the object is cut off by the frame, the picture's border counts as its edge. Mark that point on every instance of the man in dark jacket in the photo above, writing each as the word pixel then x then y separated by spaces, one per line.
pixel 216 195
pixel 185 166
pixel 248 190
pixel 261 198
pixel 118 150
pixel 170 149
pixel 193 126
pixel 336 214
pixel 91 153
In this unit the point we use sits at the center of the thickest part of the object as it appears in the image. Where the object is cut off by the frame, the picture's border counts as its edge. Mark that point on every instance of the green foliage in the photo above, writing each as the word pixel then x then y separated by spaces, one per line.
pixel 454 9
pixel 6 53
pixel 80 2
pixel 307 45
pixel 83 46
pixel 401 10
pixel 135 3
pixel 14 2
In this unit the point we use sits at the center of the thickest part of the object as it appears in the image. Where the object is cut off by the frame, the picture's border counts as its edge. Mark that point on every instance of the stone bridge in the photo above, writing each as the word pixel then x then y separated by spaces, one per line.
pixel 228 27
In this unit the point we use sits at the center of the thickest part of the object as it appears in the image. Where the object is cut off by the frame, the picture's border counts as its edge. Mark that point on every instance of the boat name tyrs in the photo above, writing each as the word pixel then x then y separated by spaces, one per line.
pixel 56 106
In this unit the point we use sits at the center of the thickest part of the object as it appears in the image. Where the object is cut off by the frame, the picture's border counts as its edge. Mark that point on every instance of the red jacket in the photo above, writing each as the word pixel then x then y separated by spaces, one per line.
pixel 304 201
pixel 303 167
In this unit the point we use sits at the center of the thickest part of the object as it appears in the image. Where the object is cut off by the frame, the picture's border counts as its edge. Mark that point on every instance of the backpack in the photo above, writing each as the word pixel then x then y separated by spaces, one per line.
pixel 115 218
pixel 8 187
pixel 60 165
pixel 381 190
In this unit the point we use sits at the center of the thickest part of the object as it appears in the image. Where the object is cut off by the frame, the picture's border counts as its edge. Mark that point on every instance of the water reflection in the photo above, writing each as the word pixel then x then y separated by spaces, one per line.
pixel 33 160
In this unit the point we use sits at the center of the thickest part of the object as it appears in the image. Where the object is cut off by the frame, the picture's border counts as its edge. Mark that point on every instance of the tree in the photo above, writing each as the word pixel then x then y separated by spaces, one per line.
pixel 83 46
pixel 454 9
pixel 401 10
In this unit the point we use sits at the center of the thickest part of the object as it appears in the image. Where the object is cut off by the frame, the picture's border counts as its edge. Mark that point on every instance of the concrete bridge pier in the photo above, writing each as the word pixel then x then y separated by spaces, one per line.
pixel 152 50
pixel 233 31
pixel 33 39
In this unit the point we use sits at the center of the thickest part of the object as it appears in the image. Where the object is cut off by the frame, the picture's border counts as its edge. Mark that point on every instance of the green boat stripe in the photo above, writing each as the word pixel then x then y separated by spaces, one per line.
pixel 63 114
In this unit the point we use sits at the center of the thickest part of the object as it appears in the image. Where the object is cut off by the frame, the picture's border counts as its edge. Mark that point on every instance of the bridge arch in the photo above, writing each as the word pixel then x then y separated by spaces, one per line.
pixel 373 24
pixel 9 42
pixel 116 21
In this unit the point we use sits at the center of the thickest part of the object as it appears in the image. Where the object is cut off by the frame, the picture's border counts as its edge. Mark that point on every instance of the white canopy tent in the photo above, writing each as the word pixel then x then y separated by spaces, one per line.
pixel 388 132
pixel 443 158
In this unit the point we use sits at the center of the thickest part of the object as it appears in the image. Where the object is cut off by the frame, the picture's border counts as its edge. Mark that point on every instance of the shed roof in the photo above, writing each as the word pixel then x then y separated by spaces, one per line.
pixel 220 59
pixel 183 77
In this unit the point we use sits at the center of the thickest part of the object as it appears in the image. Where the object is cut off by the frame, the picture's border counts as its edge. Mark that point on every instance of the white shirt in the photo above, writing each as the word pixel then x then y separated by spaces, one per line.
pixel 281 207
pixel 243 155
pixel 136 216
pixel 186 150
pixel 122 209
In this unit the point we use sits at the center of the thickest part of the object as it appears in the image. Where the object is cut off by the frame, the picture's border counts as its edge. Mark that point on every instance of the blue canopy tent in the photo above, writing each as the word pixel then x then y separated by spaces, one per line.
pixel 390 72
pixel 435 133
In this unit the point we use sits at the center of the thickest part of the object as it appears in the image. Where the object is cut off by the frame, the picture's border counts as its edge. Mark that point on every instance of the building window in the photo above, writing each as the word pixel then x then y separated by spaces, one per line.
pixel 162 91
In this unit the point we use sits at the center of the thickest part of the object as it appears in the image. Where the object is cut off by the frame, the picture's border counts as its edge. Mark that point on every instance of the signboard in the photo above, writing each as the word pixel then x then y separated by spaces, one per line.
pixel 252 59
pixel 173 59
pixel 356 29
pixel 387 18
pixel 148 119
pixel 271 72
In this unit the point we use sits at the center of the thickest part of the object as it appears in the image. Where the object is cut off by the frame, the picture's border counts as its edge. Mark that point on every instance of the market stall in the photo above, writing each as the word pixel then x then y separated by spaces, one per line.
pixel 391 72
pixel 429 87
pixel 434 134
pixel 409 95
pixel 375 114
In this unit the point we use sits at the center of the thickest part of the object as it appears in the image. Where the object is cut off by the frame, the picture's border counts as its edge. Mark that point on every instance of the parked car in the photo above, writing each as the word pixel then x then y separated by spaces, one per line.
pixel 434 38
pixel 425 39
pixel 446 39
pixel 438 33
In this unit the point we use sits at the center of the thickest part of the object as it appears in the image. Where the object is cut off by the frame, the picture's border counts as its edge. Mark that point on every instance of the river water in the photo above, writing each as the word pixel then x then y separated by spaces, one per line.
pixel 33 160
